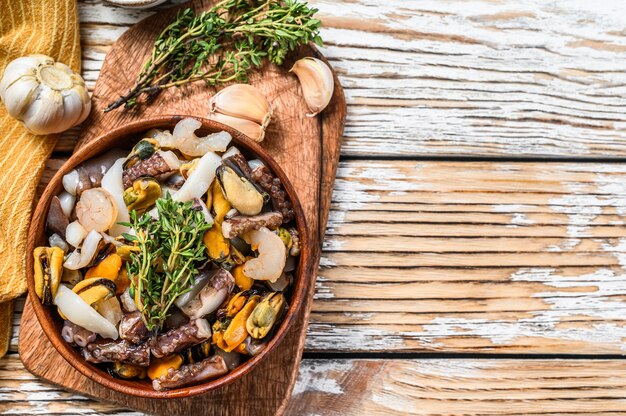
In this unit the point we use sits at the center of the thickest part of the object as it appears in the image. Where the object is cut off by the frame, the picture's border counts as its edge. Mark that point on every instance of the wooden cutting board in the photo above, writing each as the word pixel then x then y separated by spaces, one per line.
pixel 307 149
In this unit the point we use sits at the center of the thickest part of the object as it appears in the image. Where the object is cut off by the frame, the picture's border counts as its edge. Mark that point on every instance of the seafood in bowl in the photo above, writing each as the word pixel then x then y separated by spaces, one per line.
pixel 173 261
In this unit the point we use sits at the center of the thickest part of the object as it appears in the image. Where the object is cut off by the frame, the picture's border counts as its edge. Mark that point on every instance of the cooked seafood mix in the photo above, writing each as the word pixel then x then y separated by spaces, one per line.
pixel 172 262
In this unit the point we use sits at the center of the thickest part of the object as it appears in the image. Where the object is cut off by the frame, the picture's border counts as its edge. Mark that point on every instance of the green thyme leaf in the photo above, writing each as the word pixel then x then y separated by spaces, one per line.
pixel 170 250
pixel 223 44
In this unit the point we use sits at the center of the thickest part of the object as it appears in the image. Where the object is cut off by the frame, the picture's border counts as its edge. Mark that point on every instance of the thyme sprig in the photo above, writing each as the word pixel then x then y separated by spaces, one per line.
pixel 170 250
pixel 223 44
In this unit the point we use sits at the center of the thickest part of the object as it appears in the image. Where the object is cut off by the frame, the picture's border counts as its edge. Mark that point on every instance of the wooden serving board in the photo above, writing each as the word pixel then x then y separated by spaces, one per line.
pixel 308 151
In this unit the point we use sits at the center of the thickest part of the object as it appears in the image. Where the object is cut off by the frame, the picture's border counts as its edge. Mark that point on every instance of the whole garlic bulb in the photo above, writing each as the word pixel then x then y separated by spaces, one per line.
pixel 43 94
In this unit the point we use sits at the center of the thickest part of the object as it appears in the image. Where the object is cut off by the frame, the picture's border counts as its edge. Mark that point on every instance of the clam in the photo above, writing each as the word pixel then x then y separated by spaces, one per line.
pixel 127 370
pixel 240 192
pixel 48 272
pixel 264 315
pixel 143 194
pixel 141 151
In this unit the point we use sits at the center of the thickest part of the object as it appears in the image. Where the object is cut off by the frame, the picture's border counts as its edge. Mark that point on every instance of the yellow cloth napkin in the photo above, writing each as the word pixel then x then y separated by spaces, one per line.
pixel 48 27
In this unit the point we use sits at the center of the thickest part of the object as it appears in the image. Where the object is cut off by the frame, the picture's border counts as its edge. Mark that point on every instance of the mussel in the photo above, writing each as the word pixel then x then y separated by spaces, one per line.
pixel 281 284
pixel 295 242
pixel 228 335
pixel 103 251
pixel 236 303
pixel 218 247
pixel 127 370
pixel 241 280
pixel 264 315
pixel 161 366
pixel 240 192
pixel 143 194
pixel 141 151
pixel 56 221
pixel 48 272
pixel 71 277
pixel 95 289
pixel 108 268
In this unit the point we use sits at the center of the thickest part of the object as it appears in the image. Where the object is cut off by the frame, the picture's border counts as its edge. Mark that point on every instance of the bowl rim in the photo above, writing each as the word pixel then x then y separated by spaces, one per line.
pixel 37 226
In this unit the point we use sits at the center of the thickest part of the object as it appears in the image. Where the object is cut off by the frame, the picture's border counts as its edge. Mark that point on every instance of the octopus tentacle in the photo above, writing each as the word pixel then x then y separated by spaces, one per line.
pixel 211 367
pixel 184 336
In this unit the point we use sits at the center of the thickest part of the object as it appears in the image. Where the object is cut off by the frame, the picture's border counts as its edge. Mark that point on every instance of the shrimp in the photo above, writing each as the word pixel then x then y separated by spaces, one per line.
pixel 184 139
pixel 270 263
pixel 96 209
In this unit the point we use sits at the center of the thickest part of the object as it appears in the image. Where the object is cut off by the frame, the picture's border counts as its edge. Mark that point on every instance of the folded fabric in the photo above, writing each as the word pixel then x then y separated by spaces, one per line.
pixel 48 27
pixel 6 312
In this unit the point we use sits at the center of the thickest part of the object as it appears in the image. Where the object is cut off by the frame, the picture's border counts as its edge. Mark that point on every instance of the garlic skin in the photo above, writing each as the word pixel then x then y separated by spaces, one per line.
pixel 317 83
pixel 43 94
pixel 242 107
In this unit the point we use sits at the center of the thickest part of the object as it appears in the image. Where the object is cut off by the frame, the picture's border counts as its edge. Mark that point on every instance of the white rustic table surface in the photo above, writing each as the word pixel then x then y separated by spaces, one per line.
pixel 475 258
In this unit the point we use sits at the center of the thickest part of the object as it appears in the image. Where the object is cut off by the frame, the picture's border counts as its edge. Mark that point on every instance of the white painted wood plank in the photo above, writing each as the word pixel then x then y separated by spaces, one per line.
pixel 388 387
pixel 458 78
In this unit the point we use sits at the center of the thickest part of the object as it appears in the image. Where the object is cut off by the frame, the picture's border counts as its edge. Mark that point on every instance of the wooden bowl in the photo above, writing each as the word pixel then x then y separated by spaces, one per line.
pixel 125 137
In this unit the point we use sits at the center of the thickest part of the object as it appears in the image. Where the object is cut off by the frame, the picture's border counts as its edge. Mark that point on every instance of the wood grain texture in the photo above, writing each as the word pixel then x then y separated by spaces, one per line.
pixel 473 257
pixel 357 387
pixel 438 79
pixel 455 387
pixel 307 150
pixel 481 78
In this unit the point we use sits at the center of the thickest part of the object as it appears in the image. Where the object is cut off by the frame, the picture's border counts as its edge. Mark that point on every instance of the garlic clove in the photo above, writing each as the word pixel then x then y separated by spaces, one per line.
pixel 317 83
pixel 251 129
pixel 80 89
pixel 72 106
pixel 25 65
pixel 19 95
pixel 242 101
pixel 44 112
